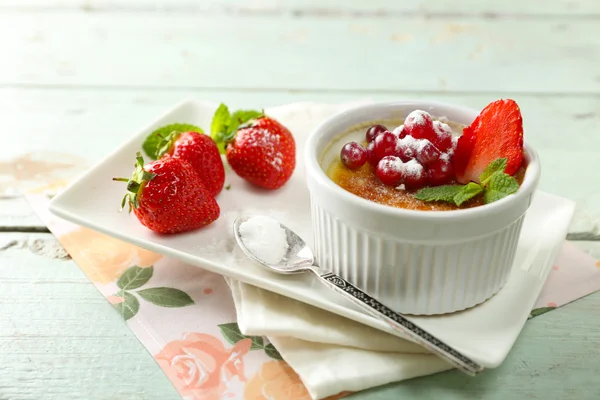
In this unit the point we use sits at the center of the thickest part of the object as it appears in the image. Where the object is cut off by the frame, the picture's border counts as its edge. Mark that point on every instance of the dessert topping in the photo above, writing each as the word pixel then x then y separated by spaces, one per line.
pixel 497 132
pixel 353 155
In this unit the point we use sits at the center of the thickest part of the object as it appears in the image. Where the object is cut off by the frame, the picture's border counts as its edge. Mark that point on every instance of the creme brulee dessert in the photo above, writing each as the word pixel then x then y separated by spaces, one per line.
pixel 431 164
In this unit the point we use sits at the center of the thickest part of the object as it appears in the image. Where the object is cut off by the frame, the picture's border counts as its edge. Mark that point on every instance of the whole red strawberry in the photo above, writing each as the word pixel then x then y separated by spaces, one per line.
pixel 192 146
pixel 168 196
pixel 258 148
pixel 497 132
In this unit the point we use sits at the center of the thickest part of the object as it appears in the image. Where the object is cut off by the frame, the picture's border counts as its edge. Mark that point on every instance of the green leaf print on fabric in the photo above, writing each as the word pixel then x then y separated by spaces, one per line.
pixel 135 277
pixel 272 352
pixel 231 332
pixel 129 306
pixel 166 297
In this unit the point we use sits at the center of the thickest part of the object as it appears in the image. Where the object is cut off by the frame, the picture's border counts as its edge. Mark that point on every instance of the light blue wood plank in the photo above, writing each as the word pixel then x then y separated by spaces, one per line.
pixel 330 8
pixel 503 56
pixel 59 338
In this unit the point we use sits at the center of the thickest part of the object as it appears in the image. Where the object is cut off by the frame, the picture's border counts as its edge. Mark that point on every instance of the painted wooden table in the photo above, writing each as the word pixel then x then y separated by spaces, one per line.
pixel 77 77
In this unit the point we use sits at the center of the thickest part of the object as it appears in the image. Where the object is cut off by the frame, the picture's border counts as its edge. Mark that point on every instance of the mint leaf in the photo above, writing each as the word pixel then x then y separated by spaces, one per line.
pixel 153 140
pixel 439 193
pixel 129 306
pixel 166 297
pixel 495 166
pixel 220 126
pixel 272 352
pixel 231 332
pixel 467 192
pixel 134 277
pixel 225 125
pixel 500 185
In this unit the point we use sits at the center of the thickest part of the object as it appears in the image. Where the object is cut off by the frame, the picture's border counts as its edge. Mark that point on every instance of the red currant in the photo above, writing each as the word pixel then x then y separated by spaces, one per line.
pixel 374 131
pixel 400 132
pixel 385 144
pixel 414 175
pixel 389 171
pixel 371 156
pixel 353 155
pixel 426 152
pixel 419 125
pixel 441 171
pixel 405 152
pixel 444 136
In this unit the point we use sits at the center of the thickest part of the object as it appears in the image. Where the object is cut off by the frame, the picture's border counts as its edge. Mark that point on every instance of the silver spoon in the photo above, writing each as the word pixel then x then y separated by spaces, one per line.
pixel 299 258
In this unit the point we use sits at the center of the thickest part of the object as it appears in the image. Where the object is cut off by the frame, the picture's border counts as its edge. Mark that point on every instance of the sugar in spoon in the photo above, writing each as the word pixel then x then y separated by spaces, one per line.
pixel 299 258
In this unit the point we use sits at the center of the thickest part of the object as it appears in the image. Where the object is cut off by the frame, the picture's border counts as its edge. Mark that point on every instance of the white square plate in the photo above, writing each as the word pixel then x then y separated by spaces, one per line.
pixel 485 333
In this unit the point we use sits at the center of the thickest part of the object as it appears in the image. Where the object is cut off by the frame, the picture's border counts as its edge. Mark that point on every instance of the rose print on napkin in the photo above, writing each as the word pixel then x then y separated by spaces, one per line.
pixel 200 366
pixel 231 332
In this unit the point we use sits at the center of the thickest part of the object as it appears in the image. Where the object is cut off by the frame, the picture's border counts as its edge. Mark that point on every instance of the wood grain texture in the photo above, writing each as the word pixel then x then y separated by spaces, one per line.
pixel 107 118
pixel 59 338
pixel 16 214
pixel 501 57
pixel 330 8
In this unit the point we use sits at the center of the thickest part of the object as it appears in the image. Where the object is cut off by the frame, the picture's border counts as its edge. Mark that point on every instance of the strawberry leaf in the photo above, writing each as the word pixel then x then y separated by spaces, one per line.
pixel 493 167
pixel 439 193
pixel 500 185
pixel 155 140
pixel 467 192
pixel 139 178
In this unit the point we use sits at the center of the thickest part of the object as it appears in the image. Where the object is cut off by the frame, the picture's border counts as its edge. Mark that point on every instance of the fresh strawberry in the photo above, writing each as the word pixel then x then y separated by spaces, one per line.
pixel 497 132
pixel 168 196
pixel 192 146
pixel 259 149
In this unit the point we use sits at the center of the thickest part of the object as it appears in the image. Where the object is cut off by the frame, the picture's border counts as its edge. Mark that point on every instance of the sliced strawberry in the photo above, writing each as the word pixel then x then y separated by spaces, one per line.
pixel 497 132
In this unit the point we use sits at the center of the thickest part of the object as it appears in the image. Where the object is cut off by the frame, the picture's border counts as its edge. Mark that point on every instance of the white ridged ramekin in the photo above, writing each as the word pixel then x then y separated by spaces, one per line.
pixel 415 262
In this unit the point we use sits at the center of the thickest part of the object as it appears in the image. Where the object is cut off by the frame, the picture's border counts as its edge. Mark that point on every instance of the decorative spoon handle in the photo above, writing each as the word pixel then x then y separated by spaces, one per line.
pixel 401 324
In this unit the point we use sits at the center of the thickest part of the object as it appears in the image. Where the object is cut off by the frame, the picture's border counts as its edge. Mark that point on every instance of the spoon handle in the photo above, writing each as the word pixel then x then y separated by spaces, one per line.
pixel 401 324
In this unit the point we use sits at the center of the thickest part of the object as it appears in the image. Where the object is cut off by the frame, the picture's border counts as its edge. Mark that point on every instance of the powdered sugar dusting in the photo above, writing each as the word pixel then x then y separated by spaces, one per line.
pixel 418 117
pixel 398 130
pixel 390 164
pixel 407 142
pixel 270 143
pixel 413 168
pixel 416 145
pixel 441 128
